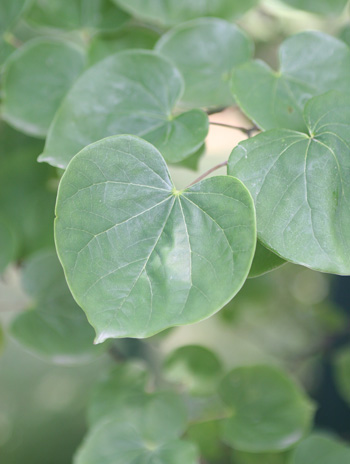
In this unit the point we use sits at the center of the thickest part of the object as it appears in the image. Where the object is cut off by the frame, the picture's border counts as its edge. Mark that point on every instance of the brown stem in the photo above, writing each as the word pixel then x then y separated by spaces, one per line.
pixel 218 166
pixel 247 131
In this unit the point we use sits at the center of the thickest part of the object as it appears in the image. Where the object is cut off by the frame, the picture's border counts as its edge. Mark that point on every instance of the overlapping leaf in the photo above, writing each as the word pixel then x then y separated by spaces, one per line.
pixel 10 12
pixel 320 449
pixel 36 79
pixel 264 261
pixel 269 411
pixel 322 7
pixel 170 12
pixel 55 327
pixel 311 63
pixel 140 256
pixel 132 92
pixel 205 51
pixel 300 185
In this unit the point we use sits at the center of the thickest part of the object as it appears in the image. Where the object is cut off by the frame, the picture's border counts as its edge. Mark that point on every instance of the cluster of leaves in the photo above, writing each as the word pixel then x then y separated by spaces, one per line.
pixel 141 256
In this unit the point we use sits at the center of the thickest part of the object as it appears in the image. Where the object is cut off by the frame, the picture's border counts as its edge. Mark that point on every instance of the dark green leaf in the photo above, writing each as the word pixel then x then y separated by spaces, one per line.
pixel 213 48
pixel 132 92
pixel 300 188
pixel 36 78
pixel 192 162
pixel 196 368
pixel 320 449
pixel 322 7
pixel 269 411
pixel 55 327
pixel 169 12
pixel 264 261
pixel 139 255
pixel 311 63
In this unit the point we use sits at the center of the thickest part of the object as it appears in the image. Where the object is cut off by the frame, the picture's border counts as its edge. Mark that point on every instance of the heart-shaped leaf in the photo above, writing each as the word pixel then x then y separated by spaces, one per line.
pixel 139 255
pixel 300 186
pixel 213 48
pixel 322 7
pixel 269 411
pixel 100 15
pixel 170 12
pixel 36 78
pixel 55 327
pixel 132 92
pixel 320 449
pixel 311 63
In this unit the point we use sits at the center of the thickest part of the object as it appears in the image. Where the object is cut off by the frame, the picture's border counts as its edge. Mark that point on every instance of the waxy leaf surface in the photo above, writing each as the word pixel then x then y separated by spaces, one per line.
pixel 36 79
pixel 269 411
pixel 311 63
pixel 205 51
pixel 132 92
pixel 140 256
pixel 300 186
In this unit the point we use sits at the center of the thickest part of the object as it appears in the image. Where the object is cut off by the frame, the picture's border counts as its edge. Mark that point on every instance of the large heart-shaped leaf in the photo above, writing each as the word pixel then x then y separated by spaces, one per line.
pixel 36 78
pixel 320 449
pixel 269 411
pixel 311 63
pixel 169 12
pixel 300 186
pixel 55 327
pixel 322 7
pixel 100 15
pixel 213 48
pixel 139 255
pixel 132 92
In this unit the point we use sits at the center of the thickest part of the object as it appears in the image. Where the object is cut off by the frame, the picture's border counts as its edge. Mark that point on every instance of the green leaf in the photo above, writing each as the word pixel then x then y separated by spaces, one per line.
pixel 8 244
pixel 264 261
pixel 241 457
pixel 321 7
pixel 100 15
pixel 192 161
pixel 311 63
pixel 299 186
pixel 145 430
pixel 196 368
pixel 139 255
pixel 320 449
pixel 5 51
pixel 110 393
pixel 169 12
pixel 27 198
pixel 36 78
pixel 206 435
pixel 127 38
pixel 132 92
pixel 269 411
pixel 213 48
pixel 342 372
pixel 10 12
pixel 55 327
pixel 344 34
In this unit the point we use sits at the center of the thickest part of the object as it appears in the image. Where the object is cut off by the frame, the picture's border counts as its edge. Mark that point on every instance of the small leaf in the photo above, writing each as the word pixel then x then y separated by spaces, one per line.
pixel 132 92
pixel 127 38
pixel 195 368
pixel 55 327
pixel 139 255
pixel 36 78
pixel 100 15
pixel 311 63
pixel 213 48
pixel 269 411
pixel 298 183
pixel 342 372
pixel 264 261
pixel 170 12
pixel 8 244
pixel 320 449
pixel 321 7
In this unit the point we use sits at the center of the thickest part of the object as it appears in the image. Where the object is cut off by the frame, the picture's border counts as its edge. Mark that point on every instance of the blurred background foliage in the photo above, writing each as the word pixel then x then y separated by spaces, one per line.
pixel 293 317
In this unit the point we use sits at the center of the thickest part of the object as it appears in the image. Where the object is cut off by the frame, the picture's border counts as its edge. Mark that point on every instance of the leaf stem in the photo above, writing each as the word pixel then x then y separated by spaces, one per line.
pixel 218 166
pixel 247 131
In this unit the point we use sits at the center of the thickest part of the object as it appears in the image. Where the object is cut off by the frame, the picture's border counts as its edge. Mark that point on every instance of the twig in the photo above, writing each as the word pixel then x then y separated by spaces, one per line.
pixel 247 131
pixel 218 166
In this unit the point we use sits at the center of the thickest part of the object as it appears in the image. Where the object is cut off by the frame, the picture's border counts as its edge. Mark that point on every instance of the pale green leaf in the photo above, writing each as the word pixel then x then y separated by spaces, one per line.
pixel 205 51
pixel 300 186
pixel 195 368
pixel 169 12
pixel 55 327
pixel 264 261
pixel 342 372
pixel 139 255
pixel 311 63
pixel 36 78
pixel 100 15
pixel 321 7
pixel 269 411
pixel 320 449
pixel 10 12
pixel 8 244
pixel 127 38
pixel 132 92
